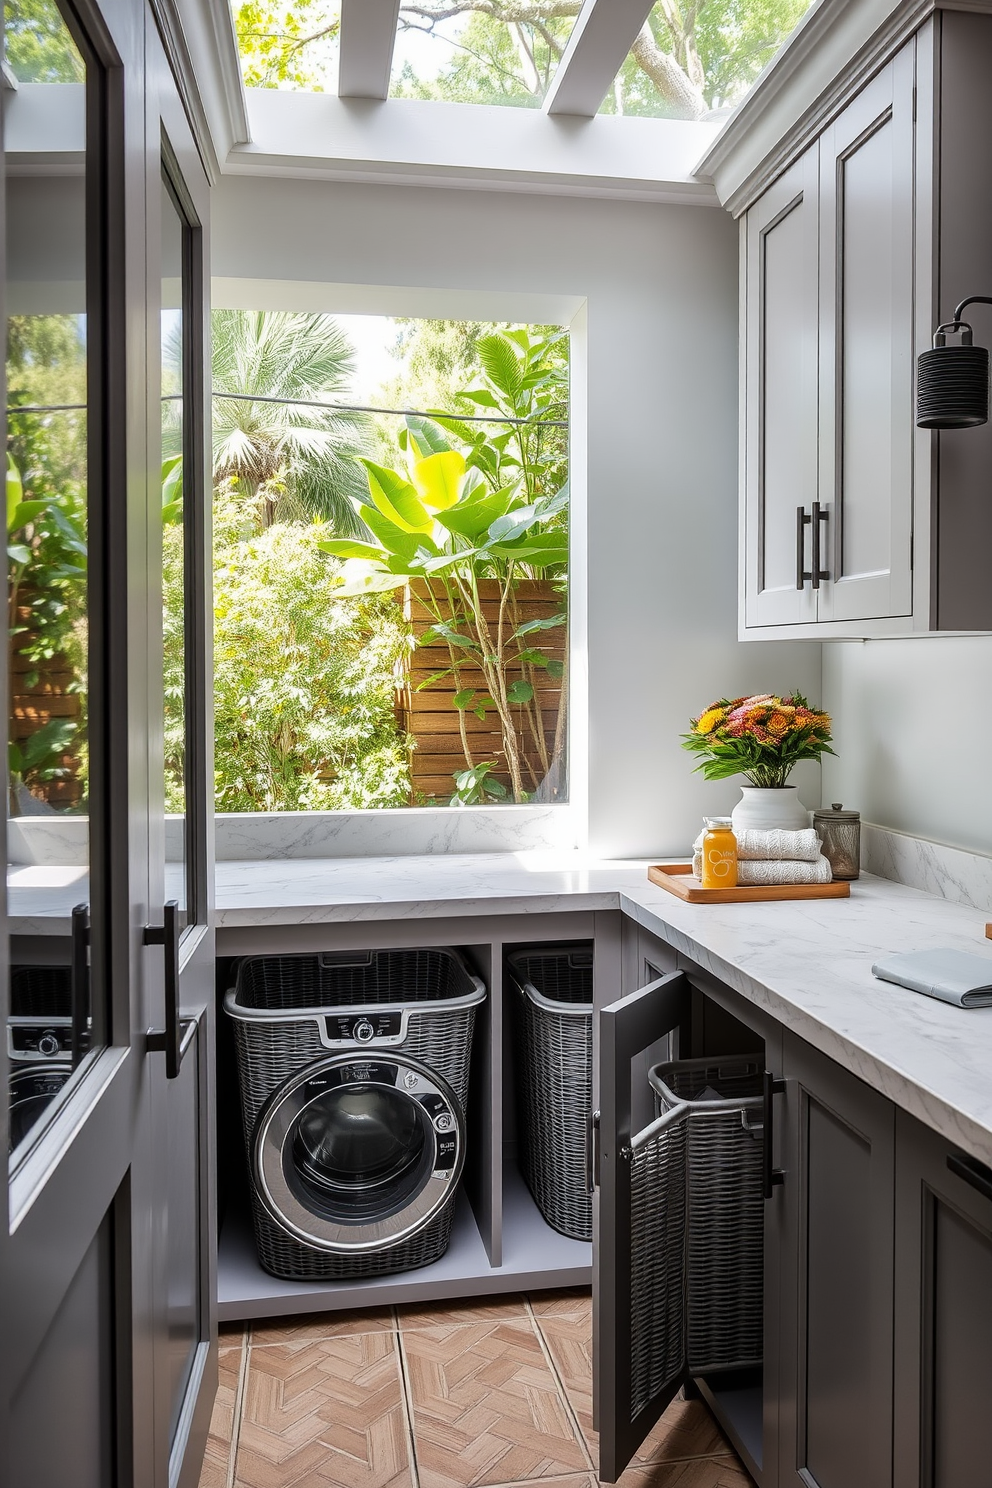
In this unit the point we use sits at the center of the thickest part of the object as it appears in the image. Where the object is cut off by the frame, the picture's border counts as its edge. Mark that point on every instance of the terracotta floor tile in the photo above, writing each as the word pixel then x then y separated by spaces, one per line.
pixel 701 1472
pixel 217 1457
pixel 685 1430
pixel 326 1414
pixel 312 1326
pixel 450 1314
pixel 486 1408
pixel 562 1303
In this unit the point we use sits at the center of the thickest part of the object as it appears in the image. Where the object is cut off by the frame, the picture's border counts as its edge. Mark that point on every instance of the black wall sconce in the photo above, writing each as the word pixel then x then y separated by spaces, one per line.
pixel 952 382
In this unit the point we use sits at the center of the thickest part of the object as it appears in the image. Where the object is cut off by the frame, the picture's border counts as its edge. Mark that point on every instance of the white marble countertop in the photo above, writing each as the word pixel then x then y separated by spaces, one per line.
pixel 807 963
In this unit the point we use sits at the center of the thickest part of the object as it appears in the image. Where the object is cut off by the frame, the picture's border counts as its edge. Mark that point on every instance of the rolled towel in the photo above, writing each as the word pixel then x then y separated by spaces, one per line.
pixel 775 845
pixel 753 873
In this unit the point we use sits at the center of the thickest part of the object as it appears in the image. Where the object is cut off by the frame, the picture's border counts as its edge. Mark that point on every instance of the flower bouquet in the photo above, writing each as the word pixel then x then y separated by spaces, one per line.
pixel 760 737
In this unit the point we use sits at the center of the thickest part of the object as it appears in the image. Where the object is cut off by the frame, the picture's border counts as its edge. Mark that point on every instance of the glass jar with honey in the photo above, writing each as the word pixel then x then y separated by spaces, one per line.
pixel 719 869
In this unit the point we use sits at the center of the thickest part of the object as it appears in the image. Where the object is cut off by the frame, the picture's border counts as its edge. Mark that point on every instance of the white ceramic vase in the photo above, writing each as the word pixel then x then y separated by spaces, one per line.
pixel 766 809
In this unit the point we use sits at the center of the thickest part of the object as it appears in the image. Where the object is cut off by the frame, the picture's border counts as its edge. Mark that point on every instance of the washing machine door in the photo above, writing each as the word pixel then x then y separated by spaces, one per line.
pixel 32 1088
pixel 355 1154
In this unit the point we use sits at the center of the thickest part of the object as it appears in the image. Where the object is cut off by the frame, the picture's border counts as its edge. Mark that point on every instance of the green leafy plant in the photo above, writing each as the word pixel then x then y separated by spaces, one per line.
pixel 460 517
pixel 303 687
pixel 477 786
pixel 40 758
pixel 289 458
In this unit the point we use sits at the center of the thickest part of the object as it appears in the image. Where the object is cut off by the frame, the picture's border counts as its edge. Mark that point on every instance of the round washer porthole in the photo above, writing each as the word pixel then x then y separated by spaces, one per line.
pixel 352 1154
pixel 33 1087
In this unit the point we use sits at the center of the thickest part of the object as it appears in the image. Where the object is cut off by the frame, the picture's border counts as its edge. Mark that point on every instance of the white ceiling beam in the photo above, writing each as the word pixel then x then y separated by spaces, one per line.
pixel 602 36
pixel 368 33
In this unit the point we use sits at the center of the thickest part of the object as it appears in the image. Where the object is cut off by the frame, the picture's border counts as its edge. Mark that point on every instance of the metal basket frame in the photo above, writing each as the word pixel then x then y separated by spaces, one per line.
pixel 553 1042
pixel 724 1210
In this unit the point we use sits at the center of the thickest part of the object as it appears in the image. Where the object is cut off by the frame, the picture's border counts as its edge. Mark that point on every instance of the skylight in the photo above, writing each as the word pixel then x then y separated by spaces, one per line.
pixel 458 51
pixel 690 61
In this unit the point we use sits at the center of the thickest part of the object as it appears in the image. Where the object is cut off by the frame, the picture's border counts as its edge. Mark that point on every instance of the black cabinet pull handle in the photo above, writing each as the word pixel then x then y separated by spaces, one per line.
pixel 592 1152
pixel 803 519
pixel 773 1176
pixel 819 515
pixel 79 982
pixel 175 1038
pixel 974 1173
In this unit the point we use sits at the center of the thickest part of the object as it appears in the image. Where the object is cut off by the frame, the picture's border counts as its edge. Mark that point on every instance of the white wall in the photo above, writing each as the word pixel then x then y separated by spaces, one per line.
pixel 913 721
pixel 658 286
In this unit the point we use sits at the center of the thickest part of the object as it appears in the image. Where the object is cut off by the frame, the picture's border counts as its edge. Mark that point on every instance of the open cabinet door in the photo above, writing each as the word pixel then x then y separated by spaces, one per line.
pixel 639 1259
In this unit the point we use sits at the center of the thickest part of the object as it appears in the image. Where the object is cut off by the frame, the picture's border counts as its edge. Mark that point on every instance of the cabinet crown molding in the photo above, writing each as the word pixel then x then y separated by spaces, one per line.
pixel 829 57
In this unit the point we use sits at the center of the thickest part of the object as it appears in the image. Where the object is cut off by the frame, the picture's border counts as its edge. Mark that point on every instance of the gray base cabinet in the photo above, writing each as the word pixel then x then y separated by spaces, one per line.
pixel 877 1306
pixel 943 1312
pixel 835 1214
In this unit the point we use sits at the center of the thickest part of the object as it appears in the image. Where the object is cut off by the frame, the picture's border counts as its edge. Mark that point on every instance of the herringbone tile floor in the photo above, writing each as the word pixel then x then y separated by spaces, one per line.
pixel 487 1394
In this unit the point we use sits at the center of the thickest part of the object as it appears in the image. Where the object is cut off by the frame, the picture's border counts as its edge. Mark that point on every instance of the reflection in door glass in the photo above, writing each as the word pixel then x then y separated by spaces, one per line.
pixel 49 1022
pixel 174 522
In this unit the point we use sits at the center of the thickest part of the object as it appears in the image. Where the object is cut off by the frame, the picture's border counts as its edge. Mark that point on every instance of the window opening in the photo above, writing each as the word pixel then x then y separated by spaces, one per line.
pixel 391 562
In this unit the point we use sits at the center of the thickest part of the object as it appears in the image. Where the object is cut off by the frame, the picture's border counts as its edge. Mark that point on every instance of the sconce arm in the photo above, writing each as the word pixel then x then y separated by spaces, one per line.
pixel 971 300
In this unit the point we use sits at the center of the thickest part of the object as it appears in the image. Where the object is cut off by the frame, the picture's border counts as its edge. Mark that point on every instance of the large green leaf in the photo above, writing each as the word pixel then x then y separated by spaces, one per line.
pixel 23 513
pixel 514 524
pixel 392 538
pixel 472 519
pixel 552 622
pixel 438 479
pixel 500 364
pixel 347 547
pixel 546 547
pixel 397 499
pixel 15 490
pixel 424 434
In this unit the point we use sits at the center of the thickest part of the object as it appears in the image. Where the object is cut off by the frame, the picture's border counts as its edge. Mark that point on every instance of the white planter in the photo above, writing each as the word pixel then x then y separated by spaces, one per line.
pixel 763 809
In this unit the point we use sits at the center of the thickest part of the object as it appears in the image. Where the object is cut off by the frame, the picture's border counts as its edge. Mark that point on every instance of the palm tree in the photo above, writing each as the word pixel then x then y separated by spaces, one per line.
pixel 283 455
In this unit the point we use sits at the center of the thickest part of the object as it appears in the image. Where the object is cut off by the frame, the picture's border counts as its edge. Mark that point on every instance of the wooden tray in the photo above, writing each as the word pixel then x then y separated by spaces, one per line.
pixel 677 879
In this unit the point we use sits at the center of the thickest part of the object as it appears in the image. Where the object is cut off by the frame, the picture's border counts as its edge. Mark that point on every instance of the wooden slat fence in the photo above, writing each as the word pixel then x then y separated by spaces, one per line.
pixel 428 715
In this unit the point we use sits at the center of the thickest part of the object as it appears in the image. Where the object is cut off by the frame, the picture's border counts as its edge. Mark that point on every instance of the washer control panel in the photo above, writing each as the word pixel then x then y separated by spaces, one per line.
pixel 345 1030
pixel 29 1040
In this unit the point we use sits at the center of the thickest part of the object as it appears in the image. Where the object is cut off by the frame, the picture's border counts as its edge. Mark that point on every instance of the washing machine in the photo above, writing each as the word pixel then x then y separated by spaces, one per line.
pixel 39 1044
pixel 354 1074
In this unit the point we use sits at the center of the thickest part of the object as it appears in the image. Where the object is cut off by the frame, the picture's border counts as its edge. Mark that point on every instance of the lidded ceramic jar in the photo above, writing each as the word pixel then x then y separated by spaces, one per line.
pixel 840 833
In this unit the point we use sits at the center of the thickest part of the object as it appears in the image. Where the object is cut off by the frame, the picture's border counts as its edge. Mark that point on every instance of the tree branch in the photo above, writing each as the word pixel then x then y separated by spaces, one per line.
pixel 667 76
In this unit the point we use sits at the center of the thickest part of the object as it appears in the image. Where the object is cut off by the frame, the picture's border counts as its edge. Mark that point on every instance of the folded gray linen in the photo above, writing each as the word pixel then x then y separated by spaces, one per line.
pixel 774 845
pixel 957 977
pixel 782 871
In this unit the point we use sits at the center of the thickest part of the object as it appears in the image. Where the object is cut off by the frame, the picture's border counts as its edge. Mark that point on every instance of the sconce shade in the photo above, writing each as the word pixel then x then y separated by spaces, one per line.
pixel 952 382
pixel 952 390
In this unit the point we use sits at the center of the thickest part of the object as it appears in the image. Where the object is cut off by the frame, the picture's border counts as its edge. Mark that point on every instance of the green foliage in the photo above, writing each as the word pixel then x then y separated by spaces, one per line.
pixel 287 44
pixel 478 786
pixel 288 458
pixel 493 60
pixel 459 517
pixel 303 687
pixel 46 523
pixel 38 45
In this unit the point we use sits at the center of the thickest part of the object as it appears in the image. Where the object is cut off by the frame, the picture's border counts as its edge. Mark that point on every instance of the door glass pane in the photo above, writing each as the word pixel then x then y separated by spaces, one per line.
pixel 48 335
pixel 176 514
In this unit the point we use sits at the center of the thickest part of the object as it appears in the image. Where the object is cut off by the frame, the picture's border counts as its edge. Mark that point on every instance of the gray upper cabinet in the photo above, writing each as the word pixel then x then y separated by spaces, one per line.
pixel 862 228
pixel 781 392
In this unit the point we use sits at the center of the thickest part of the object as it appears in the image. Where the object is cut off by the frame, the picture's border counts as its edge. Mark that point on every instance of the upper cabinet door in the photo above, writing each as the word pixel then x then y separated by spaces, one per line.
pixel 866 350
pixel 780 376
pixel 638 1277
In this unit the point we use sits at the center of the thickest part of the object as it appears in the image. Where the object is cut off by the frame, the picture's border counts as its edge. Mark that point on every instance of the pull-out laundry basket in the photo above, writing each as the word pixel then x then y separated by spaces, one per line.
pixel 354 1072
pixel 553 1042
pixel 718 1103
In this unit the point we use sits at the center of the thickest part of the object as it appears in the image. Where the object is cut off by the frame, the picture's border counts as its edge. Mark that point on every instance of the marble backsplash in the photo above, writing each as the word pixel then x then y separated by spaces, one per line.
pixel 403 832
pixel 953 873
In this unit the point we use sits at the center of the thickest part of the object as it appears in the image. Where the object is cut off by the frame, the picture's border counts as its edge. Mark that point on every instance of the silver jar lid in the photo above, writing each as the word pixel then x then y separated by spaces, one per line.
pixel 836 813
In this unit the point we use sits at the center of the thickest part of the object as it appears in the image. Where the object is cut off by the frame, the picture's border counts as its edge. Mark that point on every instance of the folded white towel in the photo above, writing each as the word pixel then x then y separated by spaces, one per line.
pixel 781 871
pixel 802 846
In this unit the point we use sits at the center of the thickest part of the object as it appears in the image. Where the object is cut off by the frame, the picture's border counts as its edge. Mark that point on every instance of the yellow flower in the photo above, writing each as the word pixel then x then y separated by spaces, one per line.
pixel 709 720
pixel 779 723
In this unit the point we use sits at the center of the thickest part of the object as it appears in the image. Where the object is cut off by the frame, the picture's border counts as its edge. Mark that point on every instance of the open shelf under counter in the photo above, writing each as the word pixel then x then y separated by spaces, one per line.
pixel 534 1257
